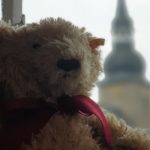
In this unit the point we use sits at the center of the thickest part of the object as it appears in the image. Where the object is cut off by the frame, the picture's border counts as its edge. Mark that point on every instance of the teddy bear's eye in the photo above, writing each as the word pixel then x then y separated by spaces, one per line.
pixel 36 45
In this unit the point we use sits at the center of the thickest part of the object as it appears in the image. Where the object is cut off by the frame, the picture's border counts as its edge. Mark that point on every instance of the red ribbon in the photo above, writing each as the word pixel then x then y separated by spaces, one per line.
pixel 82 104
pixel 86 106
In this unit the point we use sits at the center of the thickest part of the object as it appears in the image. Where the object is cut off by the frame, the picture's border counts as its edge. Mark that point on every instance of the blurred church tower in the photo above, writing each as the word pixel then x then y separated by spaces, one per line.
pixel 125 90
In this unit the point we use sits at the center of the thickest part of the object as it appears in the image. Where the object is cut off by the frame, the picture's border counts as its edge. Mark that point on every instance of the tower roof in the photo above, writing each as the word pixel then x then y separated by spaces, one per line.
pixel 124 62
pixel 122 18
pixel 121 10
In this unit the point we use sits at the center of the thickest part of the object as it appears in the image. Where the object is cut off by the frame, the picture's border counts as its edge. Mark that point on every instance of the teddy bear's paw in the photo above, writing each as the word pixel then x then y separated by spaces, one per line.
pixel 126 137
pixel 134 139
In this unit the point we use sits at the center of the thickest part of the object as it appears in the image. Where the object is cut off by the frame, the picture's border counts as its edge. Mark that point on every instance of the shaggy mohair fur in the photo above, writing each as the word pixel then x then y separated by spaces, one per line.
pixel 33 51
pixel 80 133
pixel 29 58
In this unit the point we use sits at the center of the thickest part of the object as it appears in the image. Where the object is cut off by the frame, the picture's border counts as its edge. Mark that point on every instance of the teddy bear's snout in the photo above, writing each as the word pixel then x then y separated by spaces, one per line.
pixel 68 64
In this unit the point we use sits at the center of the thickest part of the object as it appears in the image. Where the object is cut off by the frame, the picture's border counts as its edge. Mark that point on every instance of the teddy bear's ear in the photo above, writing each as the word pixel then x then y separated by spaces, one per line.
pixel 1 38
pixel 94 43
pixel 3 35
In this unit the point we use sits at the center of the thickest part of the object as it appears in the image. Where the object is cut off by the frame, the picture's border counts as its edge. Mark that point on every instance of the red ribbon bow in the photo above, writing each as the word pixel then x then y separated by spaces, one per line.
pixel 86 106
pixel 23 128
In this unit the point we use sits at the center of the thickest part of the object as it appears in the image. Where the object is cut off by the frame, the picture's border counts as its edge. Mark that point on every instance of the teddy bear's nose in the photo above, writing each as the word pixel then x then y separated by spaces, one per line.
pixel 68 64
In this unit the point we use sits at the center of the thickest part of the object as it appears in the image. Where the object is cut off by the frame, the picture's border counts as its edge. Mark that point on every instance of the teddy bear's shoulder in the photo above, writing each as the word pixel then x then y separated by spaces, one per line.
pixel 86 133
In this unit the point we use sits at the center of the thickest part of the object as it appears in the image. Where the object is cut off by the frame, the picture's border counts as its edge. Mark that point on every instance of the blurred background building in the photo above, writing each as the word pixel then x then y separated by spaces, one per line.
pixel 125 90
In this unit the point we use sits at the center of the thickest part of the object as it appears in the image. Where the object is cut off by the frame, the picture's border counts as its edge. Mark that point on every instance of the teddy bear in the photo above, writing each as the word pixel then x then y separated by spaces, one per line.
pixel 45 69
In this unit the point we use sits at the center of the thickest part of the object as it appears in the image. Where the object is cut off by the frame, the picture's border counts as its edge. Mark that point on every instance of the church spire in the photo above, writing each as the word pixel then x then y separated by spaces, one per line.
pixel 124 61
pixel 121 10
pixel 122 27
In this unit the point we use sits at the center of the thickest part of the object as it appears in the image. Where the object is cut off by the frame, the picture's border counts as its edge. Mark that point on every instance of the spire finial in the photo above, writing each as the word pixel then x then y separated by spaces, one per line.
pixel 122 27
pixel 122 9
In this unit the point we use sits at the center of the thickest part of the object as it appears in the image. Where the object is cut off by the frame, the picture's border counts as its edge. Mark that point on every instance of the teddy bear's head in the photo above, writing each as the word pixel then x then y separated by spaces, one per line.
pixel 50 59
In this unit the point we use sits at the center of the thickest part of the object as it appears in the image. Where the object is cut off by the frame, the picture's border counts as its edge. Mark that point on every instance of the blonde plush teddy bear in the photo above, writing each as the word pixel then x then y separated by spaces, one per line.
pixel 47 70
